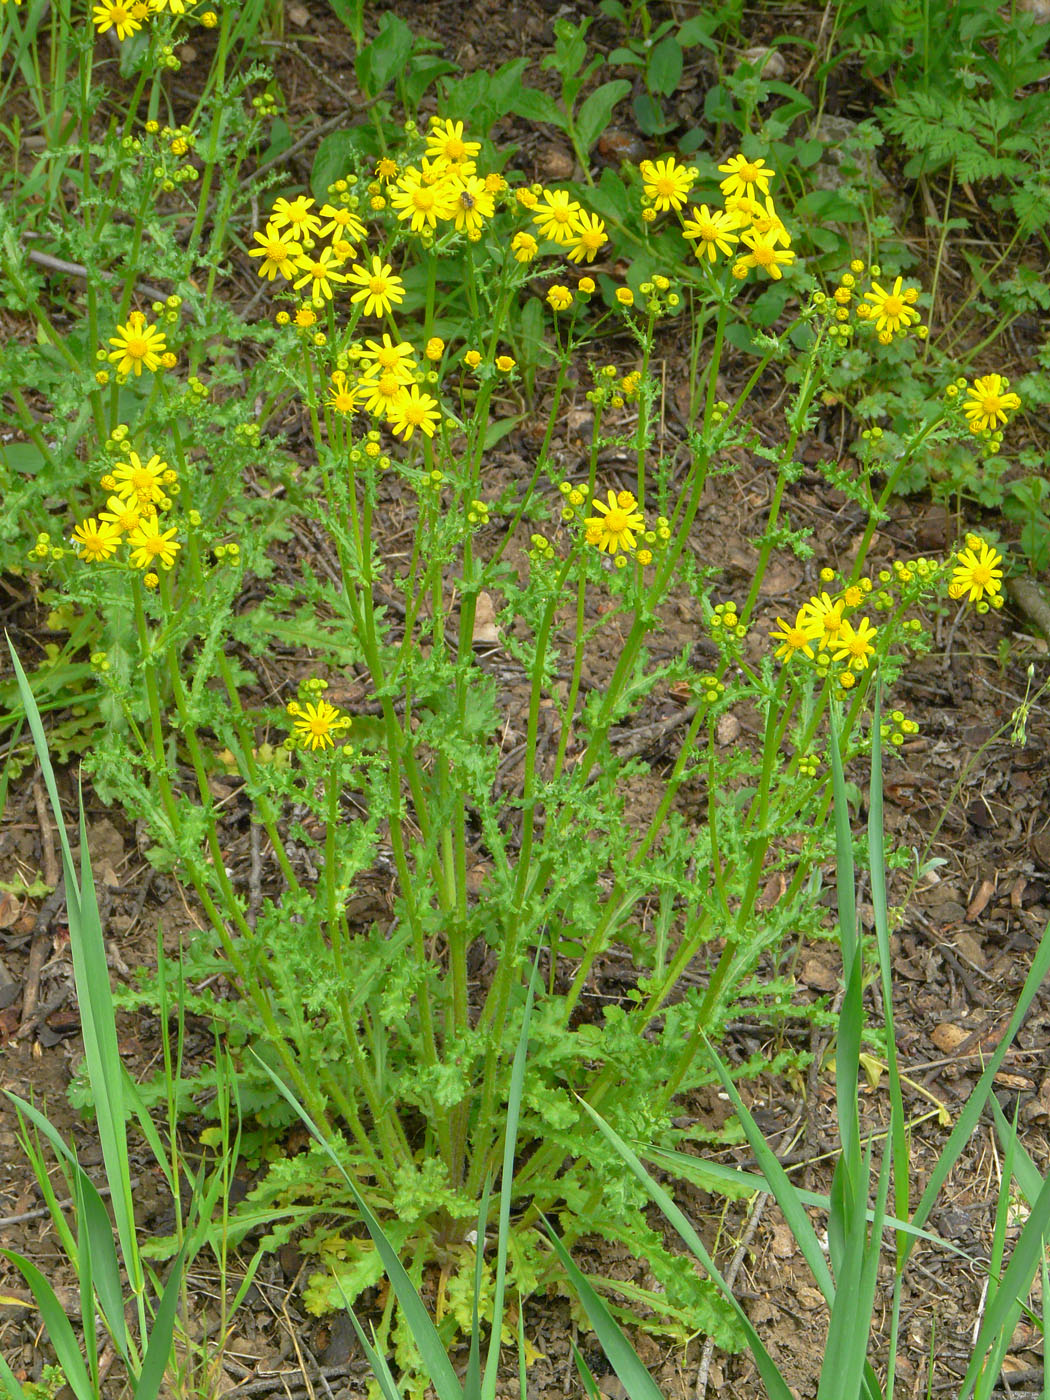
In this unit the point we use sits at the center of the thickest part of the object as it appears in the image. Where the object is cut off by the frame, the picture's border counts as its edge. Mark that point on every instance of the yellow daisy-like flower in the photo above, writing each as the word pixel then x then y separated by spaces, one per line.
pixel 124 514
pixel 989 404
pixel 618 523
pixel 343 223
pixel 559 298
pixel 743 175
pixel 666 183
pixel 977 573
pixel 380 288
pixel 891 311
pixel 828 615
pixel 315 724
pixel 445 140
pixel 472 202
pixel 138 345
pixel 320 273
pixel 556 216
pixel 412 409
pixel 797 636
pixel 140 482
pixel 296 214
pixel 114 14
pixel 150 545
pixel 279 251
pixel 96 541
pixel 589 237
pixel 712 232
pixel 342 396
pixel 421 200
pixel 855 643
pixel 386 169
pixel 379 394
pixel 524 247
pixel 386 357
pixel 766 220
pixel 765 254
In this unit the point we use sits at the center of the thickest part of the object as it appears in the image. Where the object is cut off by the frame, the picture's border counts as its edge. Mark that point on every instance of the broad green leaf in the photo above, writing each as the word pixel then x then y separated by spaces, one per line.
pixel 536 106
pixel 58 1326
pixel 593 116
pixel 665 66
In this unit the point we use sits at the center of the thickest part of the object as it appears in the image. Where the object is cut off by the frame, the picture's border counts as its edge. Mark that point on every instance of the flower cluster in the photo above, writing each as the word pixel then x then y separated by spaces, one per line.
pixel 138 345
pixel 988 405
pixel 977 576
pixel 561 220
pixel 824 632
pixel 617 526
pixel 889 313
pixel 385 381
pixel 316 724
pixel 746 227
pixel 126 17
pixel 140 493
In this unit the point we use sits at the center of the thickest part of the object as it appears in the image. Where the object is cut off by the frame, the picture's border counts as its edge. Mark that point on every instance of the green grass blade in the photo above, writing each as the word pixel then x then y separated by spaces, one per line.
pixel 776 1387
pixel 517 1082
pixel 623 1358
pixel 158 1352
pixel 1002 1313
pixel 775 1179
pixel 90 970
pixel 425 1334
pixel 589 1383
pixel 12 1387
pixel 58 1326
pixel 97 1230
pixel 851 1017
pixel 971 1112
pixel 1029 1178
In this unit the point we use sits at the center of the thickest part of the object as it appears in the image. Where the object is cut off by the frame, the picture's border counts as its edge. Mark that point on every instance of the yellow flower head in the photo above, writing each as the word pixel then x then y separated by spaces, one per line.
pixel 618 523
pixel 314 724
pixel 666 183
pixel 150 545
pixel 279 250
pixel 116 15
pixel 988 403
pixel 589 238
pixel 797 636
pixel 296 214
pixel 342 396
pixel 95 541
pixel 712 232
pixel 379 287
pixel 138 346
pixel 559 298
pixel 141 483
pixel 445 140
pixel 412 409
pixel 855 643
pixel 423 197
pixel 524 247
pixel 977 572
pixel 890 311
pixel 557 217
pixel 745 176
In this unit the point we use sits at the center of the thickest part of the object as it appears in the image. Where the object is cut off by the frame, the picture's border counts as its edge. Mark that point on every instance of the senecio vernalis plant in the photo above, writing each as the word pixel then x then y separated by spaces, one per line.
pixel 402 334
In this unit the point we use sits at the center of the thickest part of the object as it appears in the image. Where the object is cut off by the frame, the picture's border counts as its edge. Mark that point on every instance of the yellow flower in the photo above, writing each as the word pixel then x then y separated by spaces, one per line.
pixel 320 272
pixel 741 174
pixel 586 285
pixel 988 403
pixel 137 345
pixel 412 409
pixel 421 199
pixel 764 254
pixel 279 252
pixel 977 572
pixel 559 298
pixel 124 514
pixel 380 288
pixel 380 393
pixel 666 182
pixel 589 237
pixel 797 636
pixel 615 528
pixel 472 203
pixel 558 220
pixel 386 169
pixel 314 724
pixel 305 317
pixel 296 214
pixel 140 482
pixel 625 296
pixel 115 14
pixel 504 364
pixel 343 222
pixel 855 643
pixel 713 233
pixel 766 220
pixel 445 140
pixel 890 311
pixel 434 349
pixel 341 397
pixel 94 541
pixel 828 615
pixel 150 545
pixel 472 358
pixel 386 357
pixel 524 247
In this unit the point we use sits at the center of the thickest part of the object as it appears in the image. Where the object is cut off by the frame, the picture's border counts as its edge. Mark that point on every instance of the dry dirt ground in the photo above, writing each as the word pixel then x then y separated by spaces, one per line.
pixel 961 791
